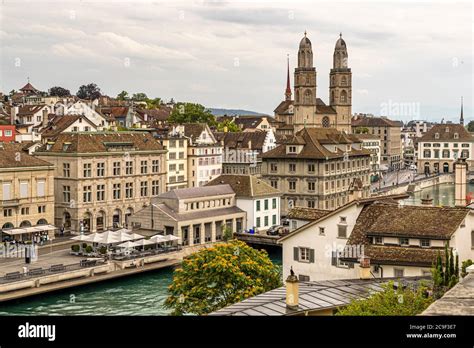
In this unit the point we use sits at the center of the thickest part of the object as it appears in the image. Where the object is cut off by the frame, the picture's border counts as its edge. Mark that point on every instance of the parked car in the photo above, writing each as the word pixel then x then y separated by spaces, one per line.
pixel 274 230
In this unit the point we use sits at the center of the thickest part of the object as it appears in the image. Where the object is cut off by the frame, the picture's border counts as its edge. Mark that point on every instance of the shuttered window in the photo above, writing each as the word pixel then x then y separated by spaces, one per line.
pixel 40 188
pixel 342 231
pixel 23 189
pixel 303 254
pixel 7 194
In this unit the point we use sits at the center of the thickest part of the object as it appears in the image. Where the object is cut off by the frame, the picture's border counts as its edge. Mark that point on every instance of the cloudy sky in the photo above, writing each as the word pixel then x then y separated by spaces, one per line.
pixel 409 60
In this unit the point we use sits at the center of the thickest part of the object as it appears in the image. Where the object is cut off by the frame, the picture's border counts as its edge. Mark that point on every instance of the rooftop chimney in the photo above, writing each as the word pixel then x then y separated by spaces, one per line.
pixel 12 114
pixel 292 289
pixel 45 118
pixel 364 268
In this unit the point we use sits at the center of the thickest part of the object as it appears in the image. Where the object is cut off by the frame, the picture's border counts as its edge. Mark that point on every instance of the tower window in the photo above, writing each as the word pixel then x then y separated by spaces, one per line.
pixel 307 96
pixel 326 122
pixel 343 81
pixel 343 97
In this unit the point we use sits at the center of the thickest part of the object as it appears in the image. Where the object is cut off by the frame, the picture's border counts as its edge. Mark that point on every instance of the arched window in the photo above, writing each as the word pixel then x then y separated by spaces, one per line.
pixel 7 225
pixel 343 97
pixel 42 222
pixel 307 96
pixel 25 224
pixel 343 81
pixel 445 167
pixel 297 96
pixel 325 122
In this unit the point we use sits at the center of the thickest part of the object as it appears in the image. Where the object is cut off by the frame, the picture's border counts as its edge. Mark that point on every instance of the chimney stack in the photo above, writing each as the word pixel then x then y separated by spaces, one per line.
pixel 364 268
pixel 292 289
pixel 45 120
pixel 12 114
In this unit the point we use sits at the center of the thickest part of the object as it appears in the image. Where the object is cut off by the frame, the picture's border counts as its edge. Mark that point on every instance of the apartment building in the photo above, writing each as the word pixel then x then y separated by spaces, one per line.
pixel 204 154
pixel 101 179
pixel 318 168
pixel 372 143
pixel 27 189
pixel 176 145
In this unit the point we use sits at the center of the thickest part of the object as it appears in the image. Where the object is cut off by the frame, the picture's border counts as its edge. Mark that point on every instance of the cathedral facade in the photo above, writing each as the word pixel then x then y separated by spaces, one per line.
pixel 309 111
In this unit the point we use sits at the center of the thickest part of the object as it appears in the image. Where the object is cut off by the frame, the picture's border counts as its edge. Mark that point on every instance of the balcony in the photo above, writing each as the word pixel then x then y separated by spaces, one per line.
pixel 10 203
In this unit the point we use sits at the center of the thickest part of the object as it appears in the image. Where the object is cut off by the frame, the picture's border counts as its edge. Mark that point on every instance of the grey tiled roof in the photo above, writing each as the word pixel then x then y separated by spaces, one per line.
pixel 313 296
pixel 196 192
pixel 206 213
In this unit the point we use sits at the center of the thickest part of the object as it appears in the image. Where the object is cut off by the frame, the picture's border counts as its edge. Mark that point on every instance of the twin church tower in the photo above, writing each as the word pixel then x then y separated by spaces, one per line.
pixel 307 110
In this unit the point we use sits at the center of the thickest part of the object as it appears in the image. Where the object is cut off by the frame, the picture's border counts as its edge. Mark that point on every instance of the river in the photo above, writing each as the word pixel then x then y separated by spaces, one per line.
pixel 442 195
pixel 141 294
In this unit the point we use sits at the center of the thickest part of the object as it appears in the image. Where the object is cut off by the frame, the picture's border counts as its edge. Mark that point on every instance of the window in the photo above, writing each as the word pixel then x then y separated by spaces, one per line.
pixel 265 204
pixel 172 167
pixel 116 191
pixel 155 166
pixel 128 167
pixel 87 170
pixel 274 219
pixel 292 167
pixel 398 272
pixel 292 185
pixel 342 231
pixel 424 243
pixel 403 241
pixel 41 209
pixel 116 168
pixel 100 192
pixel 311 168
pixel 181 166
pixel 427 153
pixel 436 135
pixel 274 183
pixel 265 219
pixel 155 187
pixel 456 136
pixel 181 155
pixel 128 189
pixel 172 155
pixel 144 167
pixel 6 191
pixel 274 203
pixel 303 278
pixel 67 194
pixel 40 188
pixel 144 188
pixel 25 211
pixel 303 254
pixel 101 169
pixel 445 153
pixel 7 212
pixel 273 167
pixel 87 194
pixel 66 170
pixel 258 206
pixel 322 231
pixel 291 149
pixel 311 186
pixel 172 143
pixel 311 204
pixel 378 240
pixel 342 219
pixel 258 222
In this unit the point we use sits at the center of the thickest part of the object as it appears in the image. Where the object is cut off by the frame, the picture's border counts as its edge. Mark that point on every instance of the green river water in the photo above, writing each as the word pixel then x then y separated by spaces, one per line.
pixel 141 294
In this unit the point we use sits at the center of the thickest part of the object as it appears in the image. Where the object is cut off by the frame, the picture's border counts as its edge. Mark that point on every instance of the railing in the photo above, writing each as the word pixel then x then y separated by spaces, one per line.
pixel 151 252
pixel 53 269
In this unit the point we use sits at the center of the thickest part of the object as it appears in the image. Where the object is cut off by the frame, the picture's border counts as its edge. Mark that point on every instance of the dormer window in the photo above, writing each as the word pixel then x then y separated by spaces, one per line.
pixel 447 129
pixel 456 135
pixel 436 135
pixel 291 149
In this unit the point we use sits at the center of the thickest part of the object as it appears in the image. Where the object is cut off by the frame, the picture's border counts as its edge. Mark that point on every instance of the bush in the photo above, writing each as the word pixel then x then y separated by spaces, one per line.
pixel 465 264
pixel 84 245
pixel 89 249
pixel 102 250
pixel 75 248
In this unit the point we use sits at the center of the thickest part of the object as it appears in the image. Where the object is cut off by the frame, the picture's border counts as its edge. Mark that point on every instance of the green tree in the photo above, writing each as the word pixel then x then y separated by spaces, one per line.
pixel 191 113
pixel 447 275
pixel 227 233
pixel 89 92
pixel 123 96
pixel 465 265
pixel 391 301
pixel 57 91
pixel 139 97
pixel 153 103
pixel 470 126
pixel 228 125
pixel 216 277
pixel 362 130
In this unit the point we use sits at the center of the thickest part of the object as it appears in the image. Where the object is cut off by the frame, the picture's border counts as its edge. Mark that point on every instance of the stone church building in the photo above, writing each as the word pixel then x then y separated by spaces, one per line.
pixel 307 110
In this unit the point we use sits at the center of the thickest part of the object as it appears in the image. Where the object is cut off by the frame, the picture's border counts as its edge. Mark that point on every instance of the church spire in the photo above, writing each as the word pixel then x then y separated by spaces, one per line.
pixel 461 120
pixel 288 88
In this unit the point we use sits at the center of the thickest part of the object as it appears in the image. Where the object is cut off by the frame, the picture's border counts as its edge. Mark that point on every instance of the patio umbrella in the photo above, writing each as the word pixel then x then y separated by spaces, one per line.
pixel 109 238
pixel 127 244
pixel 93 238
pixel 81 238
pixel 170 238
pixel 158 238
pixel 123 230
pixel 143 242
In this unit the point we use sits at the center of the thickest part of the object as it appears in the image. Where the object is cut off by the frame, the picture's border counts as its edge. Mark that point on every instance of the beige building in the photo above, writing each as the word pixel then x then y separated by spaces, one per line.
pixel 441 146
pixel 318 168
pixel 27 185
pixel 307 110
pixel 196 215
pixel 103 178
pixel 389 133
pixel 176 158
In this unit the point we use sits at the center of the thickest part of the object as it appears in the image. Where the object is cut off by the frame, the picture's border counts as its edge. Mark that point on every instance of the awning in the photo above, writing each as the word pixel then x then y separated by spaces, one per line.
pixel 32 229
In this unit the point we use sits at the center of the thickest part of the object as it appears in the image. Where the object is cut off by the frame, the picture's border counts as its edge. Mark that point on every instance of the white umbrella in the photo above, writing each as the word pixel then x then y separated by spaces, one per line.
pixel 158 238
pixel 123 230
pixel 94 238
pixel 109 238
pixel 128 244
pixel 143 242
pixel 135 236
pixel 170 238
pixel 81 238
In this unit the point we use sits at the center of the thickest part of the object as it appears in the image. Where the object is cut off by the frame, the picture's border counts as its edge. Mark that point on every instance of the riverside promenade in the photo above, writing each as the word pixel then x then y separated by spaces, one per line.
pixel 58 270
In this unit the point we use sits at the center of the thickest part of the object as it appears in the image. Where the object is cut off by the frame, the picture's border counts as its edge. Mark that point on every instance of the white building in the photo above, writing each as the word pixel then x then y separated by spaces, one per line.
pixel 204 154
pixel 372 143
pixel 399 241
pixel 256 197
pixel 81 107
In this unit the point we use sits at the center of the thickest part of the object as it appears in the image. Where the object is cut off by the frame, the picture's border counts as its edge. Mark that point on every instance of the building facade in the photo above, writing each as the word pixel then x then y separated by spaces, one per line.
pixel 101 179
pixel 318 168
pixel 176 145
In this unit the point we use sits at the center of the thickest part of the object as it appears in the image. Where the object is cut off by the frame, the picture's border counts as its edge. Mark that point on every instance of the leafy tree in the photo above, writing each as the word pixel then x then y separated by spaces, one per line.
pixel 227 233
pixel 153 103
pixel 228 125
pixel 465 264
pixel 139 97
pixel 470 126
pixel 123 96
pixel 191 113
pixel 219 276
pixel 445 277
pixel 89 92
pixel 57 91
pixel 362 130
pixel 390 301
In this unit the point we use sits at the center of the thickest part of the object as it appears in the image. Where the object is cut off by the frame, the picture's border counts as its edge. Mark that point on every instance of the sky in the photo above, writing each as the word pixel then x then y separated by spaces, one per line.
pixel 410 60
